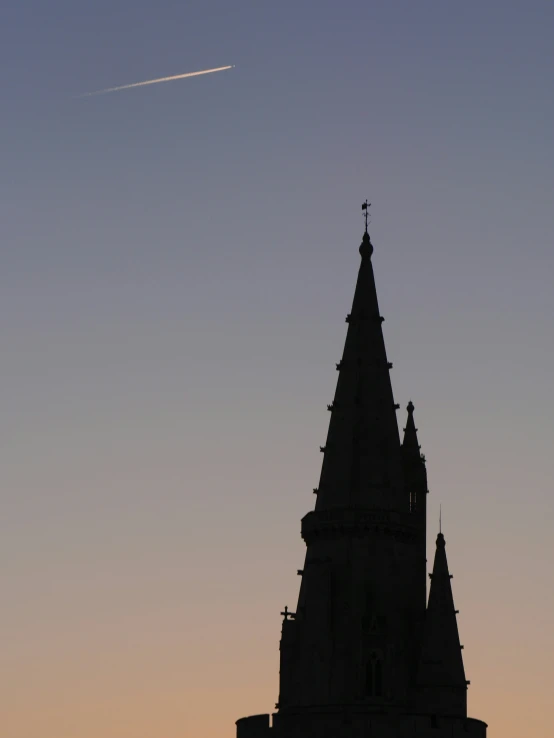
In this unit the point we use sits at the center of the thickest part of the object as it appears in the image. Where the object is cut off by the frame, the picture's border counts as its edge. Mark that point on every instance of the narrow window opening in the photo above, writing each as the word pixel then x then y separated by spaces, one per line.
pixel 369 679
pixel 374 676
pixel 378 678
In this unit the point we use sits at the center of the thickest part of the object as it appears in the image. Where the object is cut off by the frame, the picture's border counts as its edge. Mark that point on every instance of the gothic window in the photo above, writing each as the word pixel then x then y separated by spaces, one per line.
pixel 378 670
pixel 374 675
pixel 369 679
pixel 370 624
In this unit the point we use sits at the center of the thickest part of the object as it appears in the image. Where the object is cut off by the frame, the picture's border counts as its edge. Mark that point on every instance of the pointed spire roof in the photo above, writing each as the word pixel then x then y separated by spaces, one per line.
pixel 410 444
pixel 362 465
pixel 441 664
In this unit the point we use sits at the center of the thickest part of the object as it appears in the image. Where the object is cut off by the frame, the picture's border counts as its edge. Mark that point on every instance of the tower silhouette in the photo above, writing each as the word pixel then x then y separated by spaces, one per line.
pixel 365 653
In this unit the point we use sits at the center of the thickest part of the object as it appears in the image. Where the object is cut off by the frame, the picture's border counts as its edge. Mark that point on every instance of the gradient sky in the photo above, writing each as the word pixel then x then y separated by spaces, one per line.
pixel 176 262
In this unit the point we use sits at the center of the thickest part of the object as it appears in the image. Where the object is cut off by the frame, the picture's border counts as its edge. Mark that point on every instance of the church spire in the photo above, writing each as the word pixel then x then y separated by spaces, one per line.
pixel 361 465
pixel 362 653
pixel 441 672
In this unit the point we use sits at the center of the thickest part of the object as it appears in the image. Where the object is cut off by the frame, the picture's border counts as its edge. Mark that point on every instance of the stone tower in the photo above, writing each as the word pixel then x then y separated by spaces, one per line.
pixel 365 654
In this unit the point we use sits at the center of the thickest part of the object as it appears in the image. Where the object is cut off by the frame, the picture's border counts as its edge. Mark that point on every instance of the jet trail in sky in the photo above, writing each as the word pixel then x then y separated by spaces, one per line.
pixel 155 81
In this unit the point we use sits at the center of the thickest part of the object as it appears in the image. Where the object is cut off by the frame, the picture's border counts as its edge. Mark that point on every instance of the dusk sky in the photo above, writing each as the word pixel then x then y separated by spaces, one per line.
pixel 176 264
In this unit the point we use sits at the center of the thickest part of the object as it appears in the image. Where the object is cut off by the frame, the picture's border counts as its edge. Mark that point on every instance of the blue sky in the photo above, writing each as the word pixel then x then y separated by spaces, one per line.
pixel 176 262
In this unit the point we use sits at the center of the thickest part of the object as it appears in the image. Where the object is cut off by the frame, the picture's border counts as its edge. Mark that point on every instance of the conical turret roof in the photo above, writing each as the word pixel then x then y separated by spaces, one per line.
pixel 441 662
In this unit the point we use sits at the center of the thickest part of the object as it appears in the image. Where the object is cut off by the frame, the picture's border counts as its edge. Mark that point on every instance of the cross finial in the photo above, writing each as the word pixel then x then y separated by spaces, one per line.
pixel 287 613
pixel 365 206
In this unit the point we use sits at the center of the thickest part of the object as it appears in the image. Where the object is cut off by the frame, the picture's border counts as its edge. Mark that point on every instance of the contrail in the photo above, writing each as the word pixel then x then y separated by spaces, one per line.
pixel 155 81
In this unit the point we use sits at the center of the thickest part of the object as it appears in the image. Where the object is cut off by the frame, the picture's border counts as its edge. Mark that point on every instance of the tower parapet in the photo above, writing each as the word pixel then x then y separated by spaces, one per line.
pixel 254 726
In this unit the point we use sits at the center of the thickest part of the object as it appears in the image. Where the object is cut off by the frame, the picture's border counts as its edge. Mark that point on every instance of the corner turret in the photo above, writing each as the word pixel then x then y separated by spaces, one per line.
pixel 415 490
pixel 441 679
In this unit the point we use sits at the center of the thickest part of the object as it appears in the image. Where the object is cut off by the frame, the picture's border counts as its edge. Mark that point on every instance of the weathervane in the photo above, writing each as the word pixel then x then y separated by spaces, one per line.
pixel 365 206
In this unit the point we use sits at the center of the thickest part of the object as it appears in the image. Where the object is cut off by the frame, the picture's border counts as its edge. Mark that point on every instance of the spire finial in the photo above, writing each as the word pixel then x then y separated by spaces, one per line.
pixel 440 537
pixel 366 249
pixel 365 206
